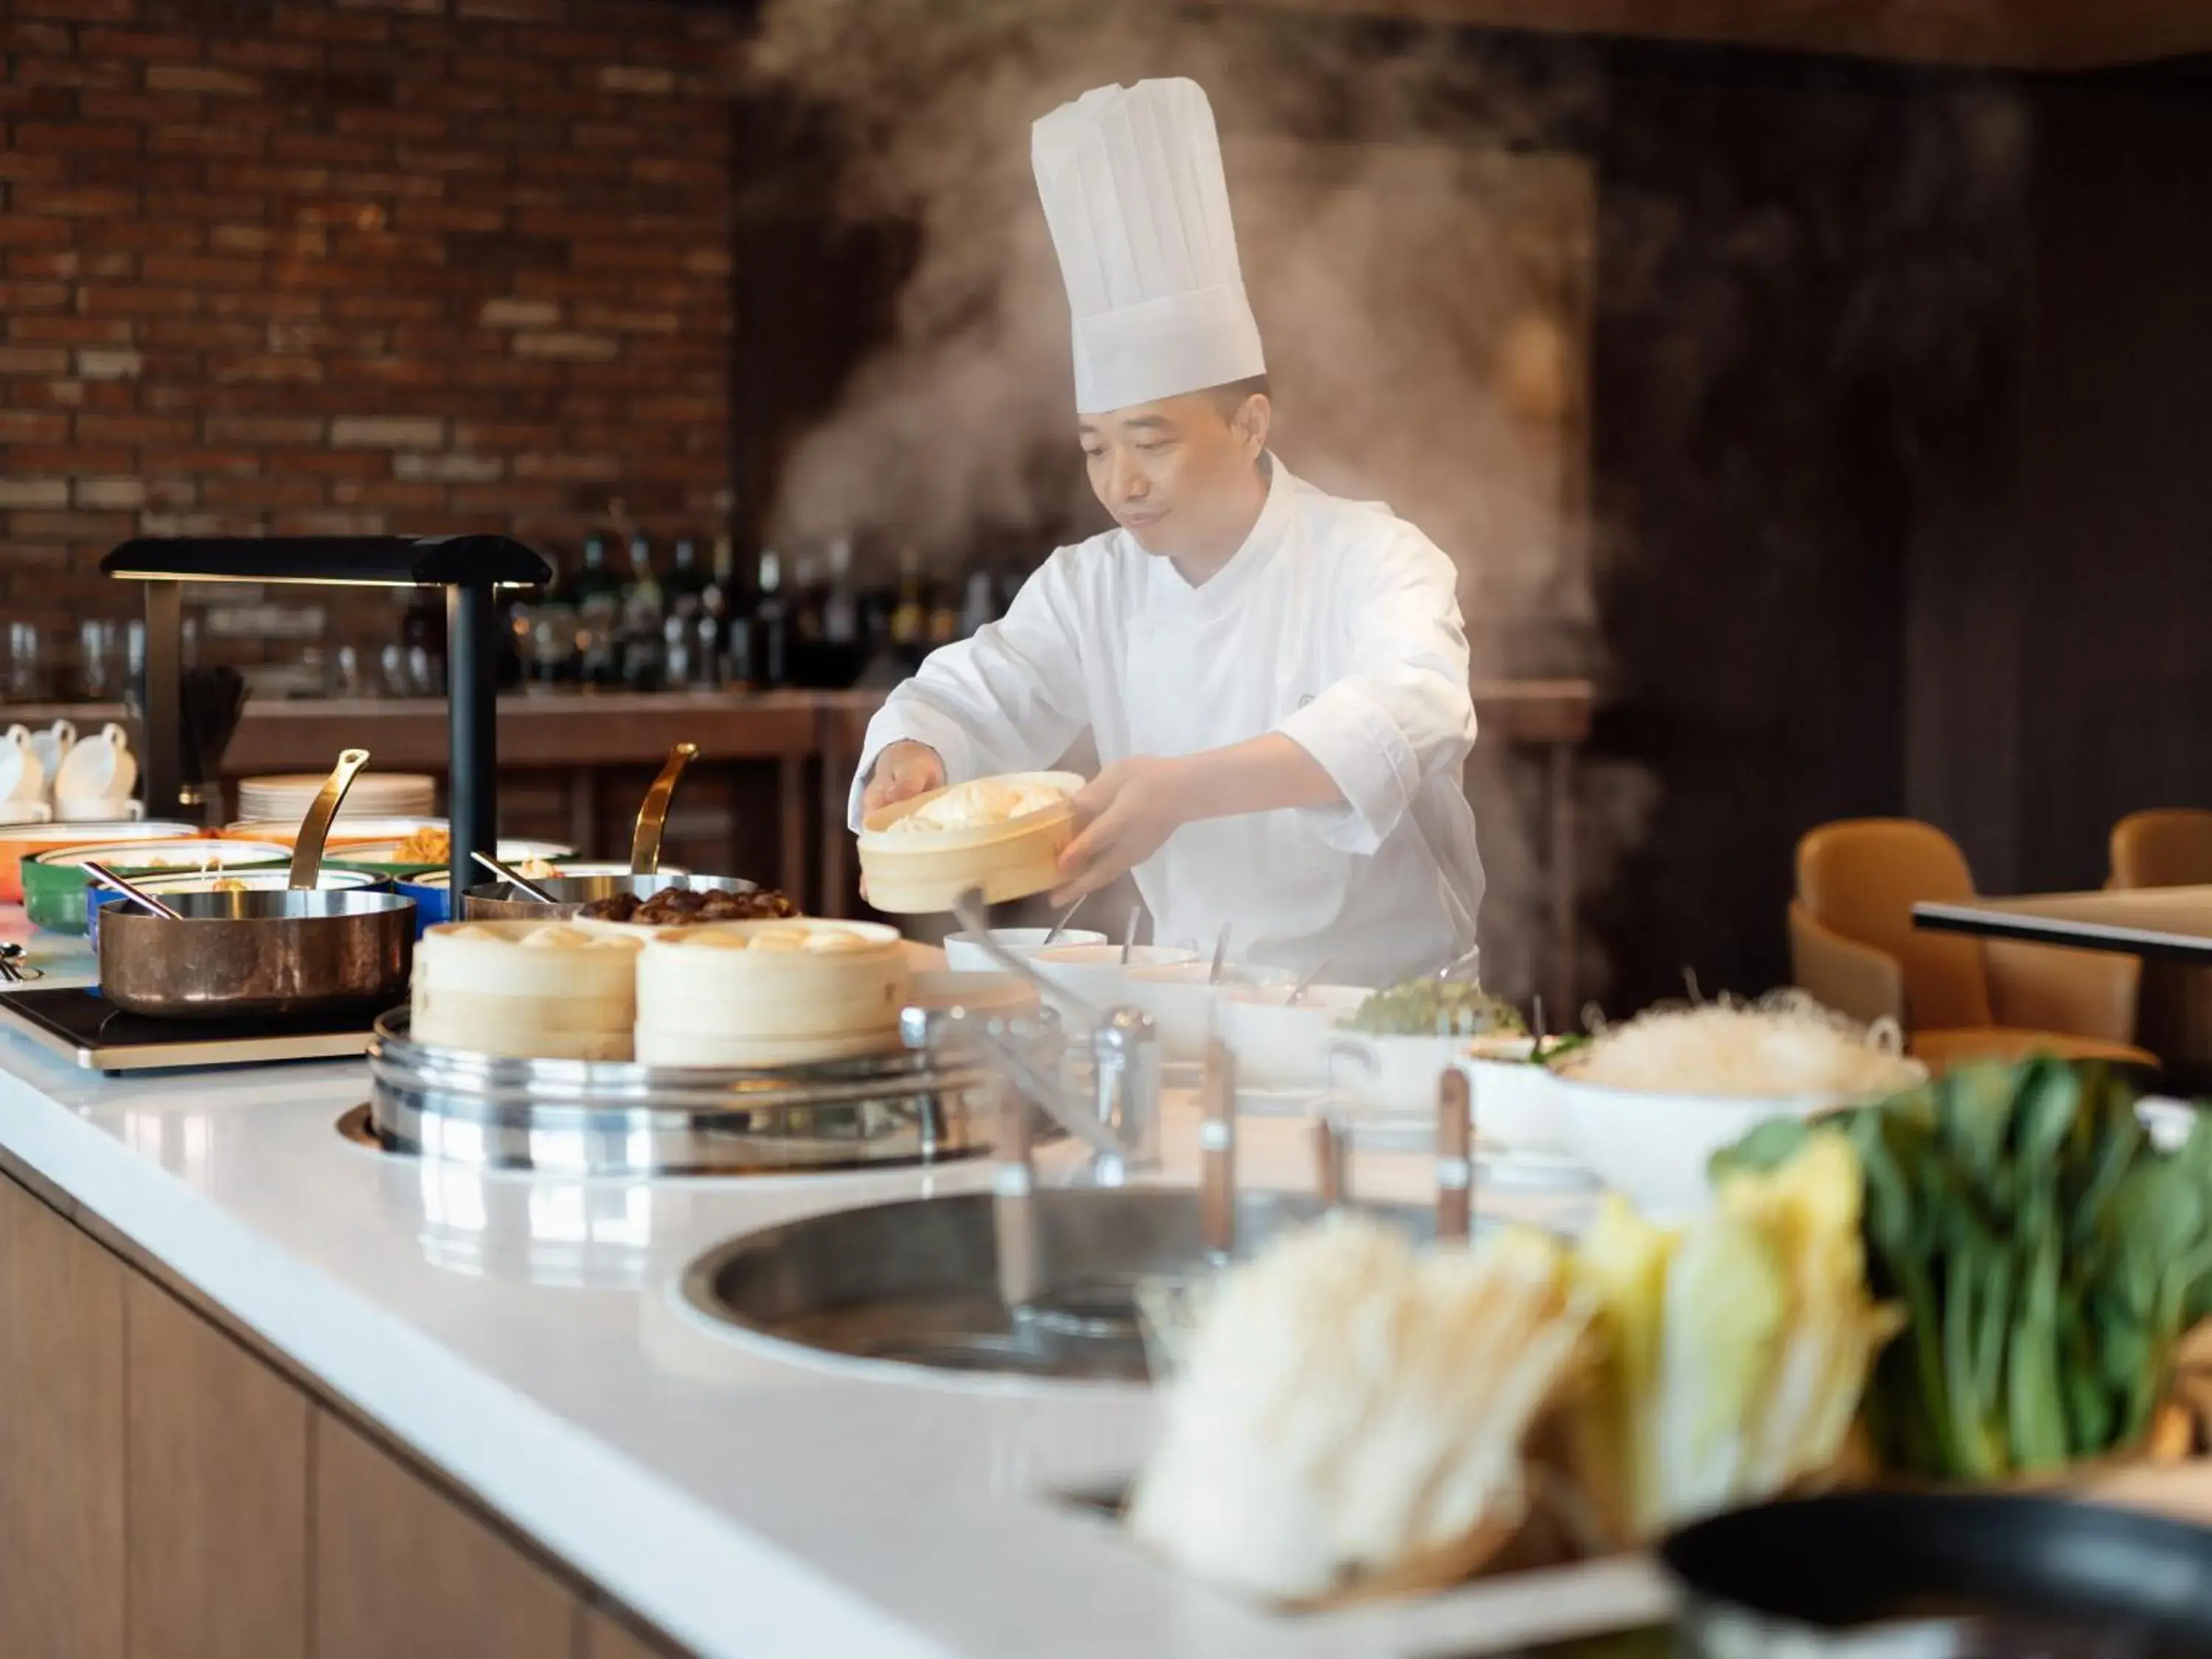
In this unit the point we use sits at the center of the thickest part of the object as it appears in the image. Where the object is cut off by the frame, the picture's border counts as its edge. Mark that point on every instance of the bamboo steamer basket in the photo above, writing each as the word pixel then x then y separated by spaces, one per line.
pixel 712 995
pixel 678 1048
pixel 922 871
pixel 478 987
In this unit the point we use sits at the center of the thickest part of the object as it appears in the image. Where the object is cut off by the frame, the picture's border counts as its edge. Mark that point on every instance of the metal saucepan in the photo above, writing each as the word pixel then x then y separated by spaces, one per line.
pixel 234 955
pixel 1958 1575
pixel 500 901
pixel 497 901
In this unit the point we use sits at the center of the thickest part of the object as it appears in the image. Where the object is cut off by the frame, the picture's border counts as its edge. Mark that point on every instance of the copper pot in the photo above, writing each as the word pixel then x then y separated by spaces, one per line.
pixel 218 954
pixel 239 954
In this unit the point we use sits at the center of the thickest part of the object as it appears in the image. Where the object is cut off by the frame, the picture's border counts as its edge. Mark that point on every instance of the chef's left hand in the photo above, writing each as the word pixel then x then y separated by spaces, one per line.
pixel 1126 813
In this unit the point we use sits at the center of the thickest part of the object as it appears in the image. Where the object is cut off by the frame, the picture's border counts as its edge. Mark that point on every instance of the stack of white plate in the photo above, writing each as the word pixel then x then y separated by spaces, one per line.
pixel 287 797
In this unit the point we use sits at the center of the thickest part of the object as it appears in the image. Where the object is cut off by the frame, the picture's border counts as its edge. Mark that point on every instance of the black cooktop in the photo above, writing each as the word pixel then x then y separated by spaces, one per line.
pixel 82 1025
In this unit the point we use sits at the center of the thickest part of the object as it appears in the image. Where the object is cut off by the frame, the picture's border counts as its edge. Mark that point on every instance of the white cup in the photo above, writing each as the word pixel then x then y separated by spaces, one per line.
pixel 1397 1075
pixel 99 809
pixel 1518 1106
pixel 99 768
pixel 53 746
pixel 962 955
pixel 1095 975
pixel 1183 1003
pixel 22 780
pixel 1281 1047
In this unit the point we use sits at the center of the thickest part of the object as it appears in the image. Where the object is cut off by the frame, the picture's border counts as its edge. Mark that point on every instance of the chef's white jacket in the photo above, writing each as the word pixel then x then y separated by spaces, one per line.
pixel 1337 623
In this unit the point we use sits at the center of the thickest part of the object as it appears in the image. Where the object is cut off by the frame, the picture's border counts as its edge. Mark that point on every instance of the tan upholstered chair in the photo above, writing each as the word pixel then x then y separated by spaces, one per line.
pixel 1853 945
pixel 2170 848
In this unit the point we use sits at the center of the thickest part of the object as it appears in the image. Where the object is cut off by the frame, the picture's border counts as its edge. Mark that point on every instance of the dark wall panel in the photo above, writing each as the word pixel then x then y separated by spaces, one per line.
pixel 2115 697
pixel 1751 497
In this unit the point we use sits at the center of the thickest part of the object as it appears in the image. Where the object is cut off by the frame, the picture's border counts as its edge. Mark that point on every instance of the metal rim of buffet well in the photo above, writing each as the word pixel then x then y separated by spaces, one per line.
pixel 620 1118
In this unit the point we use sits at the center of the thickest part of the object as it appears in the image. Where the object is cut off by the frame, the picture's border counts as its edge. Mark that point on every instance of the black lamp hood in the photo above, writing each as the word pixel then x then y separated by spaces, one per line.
pixel 372 561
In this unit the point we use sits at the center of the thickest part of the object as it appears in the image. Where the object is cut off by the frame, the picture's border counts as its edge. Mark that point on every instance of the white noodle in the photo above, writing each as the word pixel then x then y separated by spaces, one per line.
pixel 1786 1046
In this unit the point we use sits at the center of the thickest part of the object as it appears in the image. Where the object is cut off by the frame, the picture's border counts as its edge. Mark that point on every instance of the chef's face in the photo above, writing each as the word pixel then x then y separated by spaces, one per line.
pixel 1181 474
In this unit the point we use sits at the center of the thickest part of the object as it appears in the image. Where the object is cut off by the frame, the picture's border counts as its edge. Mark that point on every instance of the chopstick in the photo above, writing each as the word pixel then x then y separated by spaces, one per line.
pixel 1305 984
pixel 1060 926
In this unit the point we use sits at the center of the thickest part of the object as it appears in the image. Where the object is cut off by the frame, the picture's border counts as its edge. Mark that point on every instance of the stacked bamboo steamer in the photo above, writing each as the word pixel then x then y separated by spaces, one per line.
pixel 914 871
pixel 768 993
pixel 743 993
pixel 540 990
pixel 777 993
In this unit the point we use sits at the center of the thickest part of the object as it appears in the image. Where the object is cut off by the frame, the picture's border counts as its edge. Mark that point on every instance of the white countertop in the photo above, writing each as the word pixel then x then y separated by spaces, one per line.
pixel 521 1334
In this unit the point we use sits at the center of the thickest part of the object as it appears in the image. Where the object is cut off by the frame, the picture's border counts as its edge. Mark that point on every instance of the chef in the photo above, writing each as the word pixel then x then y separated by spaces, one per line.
pixel 1275 678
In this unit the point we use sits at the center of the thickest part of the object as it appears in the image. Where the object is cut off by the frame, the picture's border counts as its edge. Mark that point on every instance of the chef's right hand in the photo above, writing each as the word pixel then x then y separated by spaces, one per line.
pixel 902 771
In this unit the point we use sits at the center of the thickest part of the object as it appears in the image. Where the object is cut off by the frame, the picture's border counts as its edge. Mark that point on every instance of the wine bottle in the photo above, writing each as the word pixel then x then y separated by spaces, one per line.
pixel 771 627
pixel 686 587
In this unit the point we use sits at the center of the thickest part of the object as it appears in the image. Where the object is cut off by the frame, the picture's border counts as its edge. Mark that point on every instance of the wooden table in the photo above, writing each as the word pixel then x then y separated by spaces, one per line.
pixel 2170 924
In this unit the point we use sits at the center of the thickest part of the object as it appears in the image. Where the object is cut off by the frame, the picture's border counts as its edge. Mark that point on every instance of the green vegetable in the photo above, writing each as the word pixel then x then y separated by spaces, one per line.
pixel 1435 1007
pixel 2047 1257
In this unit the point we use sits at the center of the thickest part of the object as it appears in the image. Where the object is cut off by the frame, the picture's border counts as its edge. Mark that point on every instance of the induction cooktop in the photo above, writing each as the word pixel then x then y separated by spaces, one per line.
pixel 79 1023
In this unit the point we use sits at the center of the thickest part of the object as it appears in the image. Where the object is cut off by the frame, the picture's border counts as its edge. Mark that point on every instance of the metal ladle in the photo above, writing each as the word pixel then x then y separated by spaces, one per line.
pixel 130 890
pixel 521 883
pixel 1053 934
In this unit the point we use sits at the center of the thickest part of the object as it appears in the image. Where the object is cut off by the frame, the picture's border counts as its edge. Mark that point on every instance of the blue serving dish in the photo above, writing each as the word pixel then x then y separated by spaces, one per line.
pixel 432 893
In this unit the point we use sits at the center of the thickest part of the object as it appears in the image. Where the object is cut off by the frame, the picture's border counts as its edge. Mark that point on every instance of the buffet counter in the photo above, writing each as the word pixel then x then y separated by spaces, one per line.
pixel 811 739
pixel 485 1387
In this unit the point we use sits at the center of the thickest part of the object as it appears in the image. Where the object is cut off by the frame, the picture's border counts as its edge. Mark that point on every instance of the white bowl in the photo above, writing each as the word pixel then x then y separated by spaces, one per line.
pixel 510 852
pixel 1183 1003
pixel 346 829
pixel 1281 1047
pixel 962 955
pixel 1393 1076
pixel 1095 975
pixel 261 880
pixel 1516 1103
pixel 1653 1148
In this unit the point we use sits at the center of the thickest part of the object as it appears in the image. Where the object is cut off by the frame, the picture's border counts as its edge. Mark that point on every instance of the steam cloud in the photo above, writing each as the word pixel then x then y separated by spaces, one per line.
pixel 1421 284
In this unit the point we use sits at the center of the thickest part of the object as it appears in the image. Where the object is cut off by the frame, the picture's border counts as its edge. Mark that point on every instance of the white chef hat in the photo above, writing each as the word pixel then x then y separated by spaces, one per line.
pixel 1133 192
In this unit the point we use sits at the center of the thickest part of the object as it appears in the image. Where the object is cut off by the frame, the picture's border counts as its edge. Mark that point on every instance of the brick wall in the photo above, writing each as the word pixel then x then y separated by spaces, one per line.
pixel 411 266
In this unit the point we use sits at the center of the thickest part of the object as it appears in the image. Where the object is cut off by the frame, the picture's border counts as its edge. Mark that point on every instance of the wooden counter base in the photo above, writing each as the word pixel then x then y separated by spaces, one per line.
pixel 172 1491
